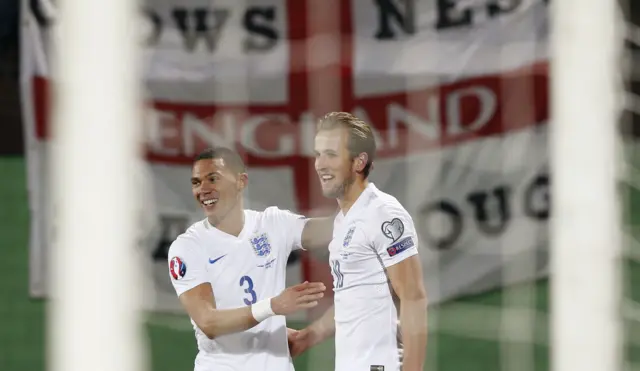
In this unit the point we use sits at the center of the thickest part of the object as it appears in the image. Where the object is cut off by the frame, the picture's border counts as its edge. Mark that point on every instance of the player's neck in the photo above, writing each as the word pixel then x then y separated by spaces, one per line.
pixel 232 223
pixel 351 194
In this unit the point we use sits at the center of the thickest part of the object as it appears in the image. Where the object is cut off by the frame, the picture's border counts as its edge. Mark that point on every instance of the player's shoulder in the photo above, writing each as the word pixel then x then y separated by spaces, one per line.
pixel 383 205
pixel 389 221
pixel 272 214
pixel 191 239
pixel 275 211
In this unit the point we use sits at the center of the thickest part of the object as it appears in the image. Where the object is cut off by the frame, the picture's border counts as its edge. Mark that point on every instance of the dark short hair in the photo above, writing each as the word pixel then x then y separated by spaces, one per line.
pixel 231 158
pixel 361 137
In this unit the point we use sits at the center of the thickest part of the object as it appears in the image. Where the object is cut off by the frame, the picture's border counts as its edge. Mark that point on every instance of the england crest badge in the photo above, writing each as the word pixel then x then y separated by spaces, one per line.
pixel 347 237
pixel 261 245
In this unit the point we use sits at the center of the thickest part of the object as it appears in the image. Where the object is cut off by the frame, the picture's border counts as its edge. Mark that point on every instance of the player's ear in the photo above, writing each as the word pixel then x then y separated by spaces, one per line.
pixel 361 162
pixel 243 181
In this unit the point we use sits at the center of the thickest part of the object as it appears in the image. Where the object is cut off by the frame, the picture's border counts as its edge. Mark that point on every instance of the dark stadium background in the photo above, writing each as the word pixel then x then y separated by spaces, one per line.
pixel 22 320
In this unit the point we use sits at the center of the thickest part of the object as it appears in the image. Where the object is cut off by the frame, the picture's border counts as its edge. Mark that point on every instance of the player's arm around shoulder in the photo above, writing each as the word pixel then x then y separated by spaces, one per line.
pixel 396 242
pixel 188 271
pixel 317 233
pixel 303 232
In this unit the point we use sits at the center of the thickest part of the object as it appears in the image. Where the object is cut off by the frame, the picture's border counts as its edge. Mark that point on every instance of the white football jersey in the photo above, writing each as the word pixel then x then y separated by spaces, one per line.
pixel 241 270
pixel 376 233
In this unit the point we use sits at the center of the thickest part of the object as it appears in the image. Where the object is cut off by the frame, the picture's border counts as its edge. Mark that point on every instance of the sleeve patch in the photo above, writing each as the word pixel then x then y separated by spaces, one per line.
pixel 393 229
pixel 177 268
pixel 401 246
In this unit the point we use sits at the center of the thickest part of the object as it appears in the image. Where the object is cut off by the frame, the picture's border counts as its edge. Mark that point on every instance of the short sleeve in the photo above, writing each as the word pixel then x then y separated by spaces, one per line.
pixel 393 235
pixel 187 265
pixel 290 224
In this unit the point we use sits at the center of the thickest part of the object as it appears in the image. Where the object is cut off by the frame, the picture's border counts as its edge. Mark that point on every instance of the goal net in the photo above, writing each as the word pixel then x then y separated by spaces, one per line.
pixel 464 100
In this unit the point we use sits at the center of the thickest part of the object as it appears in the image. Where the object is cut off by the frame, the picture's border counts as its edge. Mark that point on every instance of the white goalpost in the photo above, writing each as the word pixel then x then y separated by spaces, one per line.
pixel 94 319
pixel 585 228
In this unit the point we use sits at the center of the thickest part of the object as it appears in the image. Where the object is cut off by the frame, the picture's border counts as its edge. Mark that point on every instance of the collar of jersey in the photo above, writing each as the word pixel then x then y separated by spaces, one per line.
pixel 361 201
pixel 245 228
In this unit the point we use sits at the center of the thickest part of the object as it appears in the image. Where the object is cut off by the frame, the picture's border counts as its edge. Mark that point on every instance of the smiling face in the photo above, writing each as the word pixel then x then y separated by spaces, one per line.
pixel 334 163
pixel 216 187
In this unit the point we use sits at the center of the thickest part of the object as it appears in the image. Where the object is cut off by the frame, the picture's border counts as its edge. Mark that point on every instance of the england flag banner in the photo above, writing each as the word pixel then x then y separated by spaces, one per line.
pixel 457 92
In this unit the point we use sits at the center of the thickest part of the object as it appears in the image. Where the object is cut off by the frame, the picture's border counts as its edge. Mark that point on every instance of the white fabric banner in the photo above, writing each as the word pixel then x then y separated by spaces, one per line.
pixel 456 90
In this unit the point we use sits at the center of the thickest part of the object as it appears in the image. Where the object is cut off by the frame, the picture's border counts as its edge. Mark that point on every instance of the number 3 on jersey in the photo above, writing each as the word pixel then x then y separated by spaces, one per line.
pixel 246 280
pixel 338 277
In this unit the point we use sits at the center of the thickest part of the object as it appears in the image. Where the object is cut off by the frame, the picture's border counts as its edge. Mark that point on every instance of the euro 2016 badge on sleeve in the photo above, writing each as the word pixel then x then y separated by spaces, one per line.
pixel 178 268
pixel 393 229
pixel 261 245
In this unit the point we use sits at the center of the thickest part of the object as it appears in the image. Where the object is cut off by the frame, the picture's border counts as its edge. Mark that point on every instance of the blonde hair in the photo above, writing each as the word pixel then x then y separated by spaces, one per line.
pixel 361 137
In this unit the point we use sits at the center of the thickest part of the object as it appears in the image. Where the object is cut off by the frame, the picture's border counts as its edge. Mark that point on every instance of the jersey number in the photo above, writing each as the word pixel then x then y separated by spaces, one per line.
pixel 338 277
pixel 248 290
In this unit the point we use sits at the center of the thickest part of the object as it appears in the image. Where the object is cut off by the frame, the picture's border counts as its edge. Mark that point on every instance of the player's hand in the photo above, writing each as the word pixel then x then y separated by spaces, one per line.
pixel 299 341
pixel 301 296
